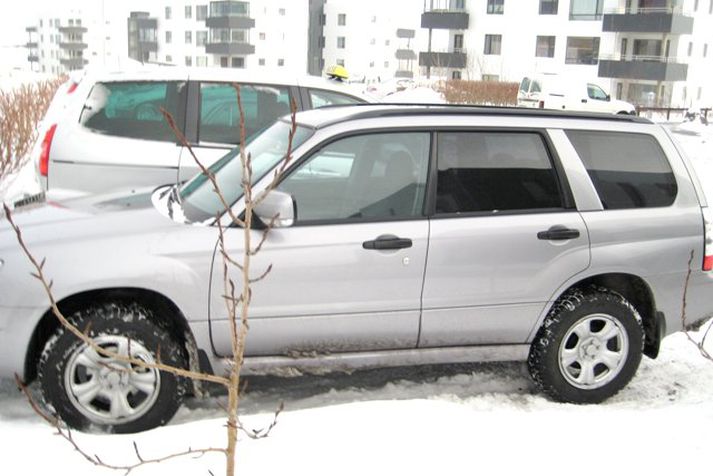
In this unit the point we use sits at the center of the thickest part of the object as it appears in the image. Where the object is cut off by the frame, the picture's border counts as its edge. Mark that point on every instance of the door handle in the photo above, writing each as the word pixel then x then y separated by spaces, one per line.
pixel 584 100
pixel 387 242
pixel 558 232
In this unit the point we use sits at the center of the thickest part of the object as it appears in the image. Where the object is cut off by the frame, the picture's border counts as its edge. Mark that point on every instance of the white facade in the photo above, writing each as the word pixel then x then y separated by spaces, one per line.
pixel 279 35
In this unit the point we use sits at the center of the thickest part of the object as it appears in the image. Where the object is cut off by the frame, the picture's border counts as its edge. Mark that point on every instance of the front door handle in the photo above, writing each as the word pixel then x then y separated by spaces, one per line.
pixel 558 232
pixel 387 242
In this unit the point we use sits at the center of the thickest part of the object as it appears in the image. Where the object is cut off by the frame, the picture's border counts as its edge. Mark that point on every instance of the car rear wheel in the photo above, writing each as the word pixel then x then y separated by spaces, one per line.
pixel 87 389
pixel 588 348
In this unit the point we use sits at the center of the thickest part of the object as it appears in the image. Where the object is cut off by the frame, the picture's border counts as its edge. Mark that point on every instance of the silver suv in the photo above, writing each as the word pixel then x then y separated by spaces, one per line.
pixel 408 235
pixel 105 131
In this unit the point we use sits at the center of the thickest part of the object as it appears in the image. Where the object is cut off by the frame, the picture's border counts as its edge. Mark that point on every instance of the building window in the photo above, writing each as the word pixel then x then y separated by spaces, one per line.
pixel 387 42
pixel 459 5
pixel 324 19
pixel 237 62
pixel 201 60
pixel 492 44
pixel 168 13
pixel 458 43
pixel 189 37
pixel 545 47
pixel 169 37
pixel 386 64
pixel 373 19
pixel 695 6
pixel 340 62
pixel 282 12
pixel 548 7
pixel 371 64
pixel 322 42
pixel 261 62
pixel 705 50
pixel 226 35
pixel 280 62
pixel 189 11
pixel 229 9
pixel 262 36
pixel 372 41
pixel 342 19
pixel 710 7
pixel 456 74
pixel 341 41
pixel 201 38
pixel 647 50
pixel 201 12
pixel 586 10
pixel 169 58
pixel 582 50
pixel 619 90
pixel 690 48
pixel 700 92
pixel 496 6
pixel 189 61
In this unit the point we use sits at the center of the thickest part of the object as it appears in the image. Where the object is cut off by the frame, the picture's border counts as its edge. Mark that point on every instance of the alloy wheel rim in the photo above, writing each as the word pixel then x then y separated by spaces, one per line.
pixel 109 391
pixel 593 351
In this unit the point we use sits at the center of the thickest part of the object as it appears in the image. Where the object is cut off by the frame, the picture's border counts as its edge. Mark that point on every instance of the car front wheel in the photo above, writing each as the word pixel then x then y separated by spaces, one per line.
pixel 89 390
pixel 588 348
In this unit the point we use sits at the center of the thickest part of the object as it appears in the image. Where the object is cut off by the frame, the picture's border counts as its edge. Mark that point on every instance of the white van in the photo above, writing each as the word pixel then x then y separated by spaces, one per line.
pixel 551 91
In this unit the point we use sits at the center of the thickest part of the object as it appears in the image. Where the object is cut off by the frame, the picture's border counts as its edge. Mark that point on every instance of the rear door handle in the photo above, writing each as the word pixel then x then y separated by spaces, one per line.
pixel 558 232
pixel 387 242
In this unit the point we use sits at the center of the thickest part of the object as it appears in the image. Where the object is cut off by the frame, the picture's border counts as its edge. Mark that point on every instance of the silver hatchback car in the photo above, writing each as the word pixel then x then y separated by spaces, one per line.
pixel 419 234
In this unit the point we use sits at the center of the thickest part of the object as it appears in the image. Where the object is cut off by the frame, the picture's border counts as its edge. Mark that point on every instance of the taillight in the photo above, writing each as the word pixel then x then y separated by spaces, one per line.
pixel 541 104
pixel 72 87
pixel 45 150
pixel 708 240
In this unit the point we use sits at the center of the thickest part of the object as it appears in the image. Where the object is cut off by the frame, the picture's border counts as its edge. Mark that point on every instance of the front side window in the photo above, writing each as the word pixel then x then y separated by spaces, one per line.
pixel 362 178
pixel 597 93
pixel 220 117
pixel 627 170
pixel 133 109
pixel 493 172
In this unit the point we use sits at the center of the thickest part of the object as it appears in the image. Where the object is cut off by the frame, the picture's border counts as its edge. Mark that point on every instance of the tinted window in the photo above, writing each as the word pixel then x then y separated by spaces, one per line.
pixel 321 98
pixel 628 170
pixel 374 176
pixel 220 117
pixel 493 172
pixel 133 109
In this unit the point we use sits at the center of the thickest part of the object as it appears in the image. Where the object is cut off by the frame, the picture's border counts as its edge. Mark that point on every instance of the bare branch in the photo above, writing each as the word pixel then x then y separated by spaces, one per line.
pixel 699 344
pixel 257 434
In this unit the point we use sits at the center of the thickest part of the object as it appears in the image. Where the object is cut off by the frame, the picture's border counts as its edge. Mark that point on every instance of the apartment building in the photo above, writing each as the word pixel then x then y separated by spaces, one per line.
pixel 650 52
pixel 260 34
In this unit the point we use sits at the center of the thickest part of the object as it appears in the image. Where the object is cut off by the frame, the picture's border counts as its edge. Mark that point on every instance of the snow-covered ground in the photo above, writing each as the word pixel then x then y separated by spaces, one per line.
pixel 478 419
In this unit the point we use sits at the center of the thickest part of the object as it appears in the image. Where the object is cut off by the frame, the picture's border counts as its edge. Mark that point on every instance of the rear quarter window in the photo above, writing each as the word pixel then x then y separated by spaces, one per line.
pixel 133 109
pixel 629 170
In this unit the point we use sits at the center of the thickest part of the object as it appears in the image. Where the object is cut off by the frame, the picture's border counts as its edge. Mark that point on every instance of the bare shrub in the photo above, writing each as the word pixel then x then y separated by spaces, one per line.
pixel 20 111
pixel 486 93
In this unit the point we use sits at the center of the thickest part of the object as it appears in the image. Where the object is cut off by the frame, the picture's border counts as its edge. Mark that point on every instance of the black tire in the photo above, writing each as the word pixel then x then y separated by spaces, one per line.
pixel 119 398
pixel 588 348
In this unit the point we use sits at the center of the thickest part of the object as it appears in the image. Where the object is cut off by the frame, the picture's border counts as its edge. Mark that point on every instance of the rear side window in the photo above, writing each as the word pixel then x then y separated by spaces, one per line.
pixel 494 172
pixel 220 117
pixel 320 97
pixel 133 109
pixel 628 170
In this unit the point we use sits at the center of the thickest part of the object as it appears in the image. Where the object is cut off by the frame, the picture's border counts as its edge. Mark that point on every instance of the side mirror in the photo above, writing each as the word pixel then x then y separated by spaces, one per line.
pixel 277 204
pixel 608 97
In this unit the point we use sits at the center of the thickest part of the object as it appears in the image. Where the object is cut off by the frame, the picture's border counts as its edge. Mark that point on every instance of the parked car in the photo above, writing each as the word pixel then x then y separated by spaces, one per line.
pixel 407 235
pixel 552 91
pixel 105 131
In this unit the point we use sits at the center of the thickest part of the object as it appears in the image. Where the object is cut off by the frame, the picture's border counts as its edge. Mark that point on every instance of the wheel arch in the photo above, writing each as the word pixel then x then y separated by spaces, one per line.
pixel 165 311
pixel 635 290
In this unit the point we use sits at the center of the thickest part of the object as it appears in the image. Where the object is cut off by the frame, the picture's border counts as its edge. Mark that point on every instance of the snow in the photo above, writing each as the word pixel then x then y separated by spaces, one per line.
pixel 465 419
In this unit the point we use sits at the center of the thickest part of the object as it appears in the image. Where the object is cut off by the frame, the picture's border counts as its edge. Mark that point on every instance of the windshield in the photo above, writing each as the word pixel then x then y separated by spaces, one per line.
pixel 198 199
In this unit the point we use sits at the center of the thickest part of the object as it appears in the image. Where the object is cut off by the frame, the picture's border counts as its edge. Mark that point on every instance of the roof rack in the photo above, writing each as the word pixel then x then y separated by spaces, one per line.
pixel 374 110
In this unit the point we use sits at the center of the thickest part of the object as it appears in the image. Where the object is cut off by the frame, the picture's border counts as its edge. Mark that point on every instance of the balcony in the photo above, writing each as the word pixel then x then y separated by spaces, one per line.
pixel 405 33
pixel 229 49
pixel 445 20
pixel 33 58
pixel 31 29
pixel 404 54
pixel 403 73
pixel 651 68
pixel 239 22
pixel 72 45
pixel 73 63
pixel 442 60
pixel 72 29
pixel 148 46
pixel 648 22
pixel 31 45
